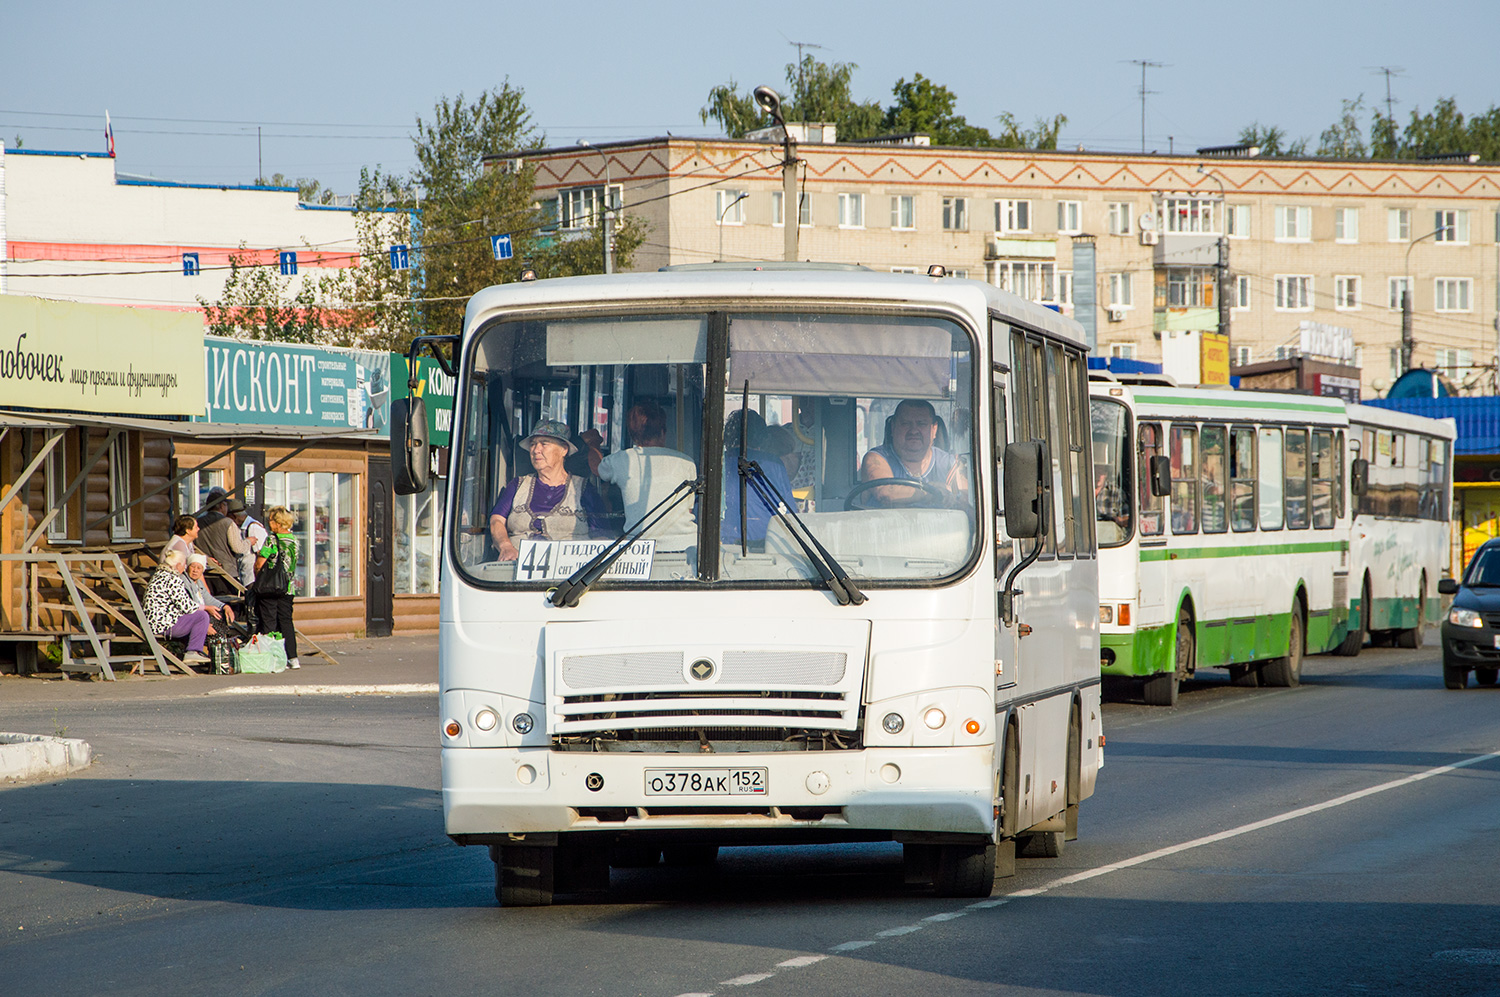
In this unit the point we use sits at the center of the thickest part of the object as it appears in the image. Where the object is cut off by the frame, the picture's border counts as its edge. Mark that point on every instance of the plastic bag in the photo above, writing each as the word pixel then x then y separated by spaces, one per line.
pixel 266 653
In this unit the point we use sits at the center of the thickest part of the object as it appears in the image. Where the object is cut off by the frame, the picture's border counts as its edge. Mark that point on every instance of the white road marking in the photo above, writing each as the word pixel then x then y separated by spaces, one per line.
pixel 800 961
pixel 1478 957
pixel 395 689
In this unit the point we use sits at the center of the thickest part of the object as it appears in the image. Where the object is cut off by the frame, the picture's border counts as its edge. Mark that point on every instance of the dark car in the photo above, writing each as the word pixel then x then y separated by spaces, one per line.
pixel 1471 630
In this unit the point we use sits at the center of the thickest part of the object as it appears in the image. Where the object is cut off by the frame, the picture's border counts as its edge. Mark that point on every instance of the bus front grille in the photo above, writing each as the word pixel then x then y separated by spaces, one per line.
pixel 706 710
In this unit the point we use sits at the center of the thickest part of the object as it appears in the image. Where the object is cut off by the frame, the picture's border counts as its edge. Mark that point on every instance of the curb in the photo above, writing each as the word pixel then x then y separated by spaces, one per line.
pixel 25 757
pixel 396 689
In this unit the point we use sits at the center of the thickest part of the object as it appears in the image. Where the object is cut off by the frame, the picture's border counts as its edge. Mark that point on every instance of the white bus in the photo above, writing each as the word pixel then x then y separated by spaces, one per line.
pixel 1236 530
pixel 639 671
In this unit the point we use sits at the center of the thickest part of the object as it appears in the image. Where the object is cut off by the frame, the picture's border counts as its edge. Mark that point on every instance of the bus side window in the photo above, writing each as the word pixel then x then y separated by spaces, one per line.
pixel 1058 442
pixel 1080 436
pixel 1214 491
pixel 999 437
pixel 1272 513
pixel 1322 495
pixel 1148 445
pixel 1296 479
pixel 1184 455
pixel 1242 480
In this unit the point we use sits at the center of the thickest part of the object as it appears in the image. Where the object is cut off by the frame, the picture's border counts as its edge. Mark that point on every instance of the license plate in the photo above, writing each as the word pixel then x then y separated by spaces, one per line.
pixel 706 782
pixel 1497 640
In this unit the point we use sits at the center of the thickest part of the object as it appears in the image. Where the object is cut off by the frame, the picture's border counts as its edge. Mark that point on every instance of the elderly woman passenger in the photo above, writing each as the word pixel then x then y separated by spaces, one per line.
pixel 197 585
pixel 548 504
pixel 171 610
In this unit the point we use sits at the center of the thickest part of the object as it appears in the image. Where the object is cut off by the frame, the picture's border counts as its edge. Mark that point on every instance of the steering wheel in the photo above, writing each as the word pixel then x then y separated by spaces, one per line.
pixel 934 496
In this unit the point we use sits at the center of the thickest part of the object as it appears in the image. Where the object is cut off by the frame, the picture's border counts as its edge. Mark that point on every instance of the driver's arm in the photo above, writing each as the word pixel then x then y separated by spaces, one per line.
pixel 875 467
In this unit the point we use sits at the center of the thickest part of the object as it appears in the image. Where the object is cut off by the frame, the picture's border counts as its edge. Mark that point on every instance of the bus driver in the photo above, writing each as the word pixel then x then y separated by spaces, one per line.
pixel 549 504
pixel 910 453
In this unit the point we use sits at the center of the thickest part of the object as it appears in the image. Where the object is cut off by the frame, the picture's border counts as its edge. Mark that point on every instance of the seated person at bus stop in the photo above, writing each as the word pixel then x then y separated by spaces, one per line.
pixel 758 514
pixel 548 504
pixel 910 452
pixel 647 472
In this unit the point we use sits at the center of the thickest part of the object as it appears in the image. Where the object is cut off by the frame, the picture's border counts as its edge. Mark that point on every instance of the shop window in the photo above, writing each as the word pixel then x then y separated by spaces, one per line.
pixel 419 539
pixel 57 486
pixel 192 491
pixel 119 487
pixel 324 508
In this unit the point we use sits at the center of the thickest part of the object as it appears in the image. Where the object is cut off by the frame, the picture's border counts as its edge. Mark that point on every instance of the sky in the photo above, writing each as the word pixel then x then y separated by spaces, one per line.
pixel 219 93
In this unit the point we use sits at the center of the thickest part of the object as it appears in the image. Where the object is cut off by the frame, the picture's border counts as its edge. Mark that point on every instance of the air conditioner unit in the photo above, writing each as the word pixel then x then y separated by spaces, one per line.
pixel 1115 314
pixel 1149 237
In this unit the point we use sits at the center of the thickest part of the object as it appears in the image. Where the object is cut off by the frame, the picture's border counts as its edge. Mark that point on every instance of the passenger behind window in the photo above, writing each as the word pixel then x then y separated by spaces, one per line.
pixel 550 504
pixel 757 513
pixel 647 472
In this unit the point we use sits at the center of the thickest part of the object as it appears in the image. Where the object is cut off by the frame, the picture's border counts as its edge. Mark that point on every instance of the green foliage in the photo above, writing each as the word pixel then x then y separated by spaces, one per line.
pixel 927 107
pixel 1443 131
pixel 1344 139
pixel 1042 136
pixel 735 112
pixel 259 302
pixel 309 191
pixel 821 92
pixel 1272 140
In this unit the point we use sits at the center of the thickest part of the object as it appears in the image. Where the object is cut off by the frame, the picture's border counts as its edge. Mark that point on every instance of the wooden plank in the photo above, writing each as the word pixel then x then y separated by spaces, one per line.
pixel 88 624
pixel 161 653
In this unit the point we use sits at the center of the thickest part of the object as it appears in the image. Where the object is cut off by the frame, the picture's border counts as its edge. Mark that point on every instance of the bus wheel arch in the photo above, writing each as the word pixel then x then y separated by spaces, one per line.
pixel 1074 786
pixel 1411 637
pixel 1161 688
pixel 1286 671
pixel 1358 629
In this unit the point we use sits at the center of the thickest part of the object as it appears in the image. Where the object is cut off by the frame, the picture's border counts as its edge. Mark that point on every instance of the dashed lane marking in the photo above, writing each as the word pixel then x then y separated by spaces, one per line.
pixel 395 689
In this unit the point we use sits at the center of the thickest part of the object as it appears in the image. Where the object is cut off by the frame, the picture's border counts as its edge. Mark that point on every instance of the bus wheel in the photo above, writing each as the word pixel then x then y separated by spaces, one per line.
pixel 1160 689
pixel 1486 676
pixel 1041 845
pixel 524 875
pixel 1247 675
pixel 1287 671
pixel 1412 637
pixel 1356 640
pixel 964 870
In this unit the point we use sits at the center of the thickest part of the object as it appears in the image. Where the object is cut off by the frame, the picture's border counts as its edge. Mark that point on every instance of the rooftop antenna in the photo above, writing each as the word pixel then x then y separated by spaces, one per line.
pixel 1388 72
pixel 1145 64
pixel 801 90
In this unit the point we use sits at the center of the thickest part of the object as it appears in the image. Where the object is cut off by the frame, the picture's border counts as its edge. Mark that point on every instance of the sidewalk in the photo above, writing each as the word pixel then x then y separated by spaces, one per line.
pixel 399 665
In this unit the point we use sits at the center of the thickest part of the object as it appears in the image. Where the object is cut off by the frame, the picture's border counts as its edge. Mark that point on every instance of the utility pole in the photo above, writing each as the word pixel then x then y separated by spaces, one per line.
pixel 609 210
pixel 791 207
pixel 1223 263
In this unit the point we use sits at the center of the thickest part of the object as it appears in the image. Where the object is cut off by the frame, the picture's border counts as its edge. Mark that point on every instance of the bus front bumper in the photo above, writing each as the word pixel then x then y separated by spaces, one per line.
pixel 1136 653
pixel 536 790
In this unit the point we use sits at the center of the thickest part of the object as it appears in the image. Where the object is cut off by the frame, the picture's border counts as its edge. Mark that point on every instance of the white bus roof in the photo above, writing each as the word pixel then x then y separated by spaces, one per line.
pixel 1221 403
pixel 737 282
pixel 1371 415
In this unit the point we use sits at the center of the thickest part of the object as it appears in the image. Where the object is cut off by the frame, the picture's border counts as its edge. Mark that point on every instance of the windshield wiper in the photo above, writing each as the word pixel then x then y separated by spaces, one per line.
pixel 833 573
pixel 570 591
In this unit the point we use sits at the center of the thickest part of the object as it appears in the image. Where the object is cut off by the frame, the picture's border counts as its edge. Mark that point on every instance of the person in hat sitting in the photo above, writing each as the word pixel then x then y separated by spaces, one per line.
pixel 548 504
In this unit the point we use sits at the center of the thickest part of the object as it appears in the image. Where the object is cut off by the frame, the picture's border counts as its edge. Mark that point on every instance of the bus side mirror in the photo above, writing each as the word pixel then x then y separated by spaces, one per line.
pixel 1161 476
pixel 1447 586
pixel 1359 476
pixel 1027 489
pixel 409 451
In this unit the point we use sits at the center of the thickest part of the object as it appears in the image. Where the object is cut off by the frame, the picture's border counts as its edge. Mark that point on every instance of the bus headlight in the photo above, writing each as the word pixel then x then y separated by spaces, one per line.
pixel 523 722
pixel 485 720
pixel 893 723
pixel 1465 618
pixel 934 718
pixel 1106 614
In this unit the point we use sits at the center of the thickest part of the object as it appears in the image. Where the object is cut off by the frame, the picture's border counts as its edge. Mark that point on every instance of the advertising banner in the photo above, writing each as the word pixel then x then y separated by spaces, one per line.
pixel 279 384
pixel 434 387
pixel 99 358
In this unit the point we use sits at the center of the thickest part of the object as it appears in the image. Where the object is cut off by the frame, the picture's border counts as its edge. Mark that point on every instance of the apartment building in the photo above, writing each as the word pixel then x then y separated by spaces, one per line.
pixel 1334 243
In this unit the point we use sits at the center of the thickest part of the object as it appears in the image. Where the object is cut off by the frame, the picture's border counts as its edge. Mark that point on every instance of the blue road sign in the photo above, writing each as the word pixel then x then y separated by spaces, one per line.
pixel 501 245
pixel 288 263
pixel 190 266
pixel 399 258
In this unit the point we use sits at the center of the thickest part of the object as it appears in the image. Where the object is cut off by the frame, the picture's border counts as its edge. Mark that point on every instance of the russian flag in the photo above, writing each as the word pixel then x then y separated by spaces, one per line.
pixel 109 135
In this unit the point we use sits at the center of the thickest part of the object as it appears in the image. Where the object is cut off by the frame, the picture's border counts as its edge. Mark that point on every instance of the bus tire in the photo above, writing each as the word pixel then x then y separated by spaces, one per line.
pixel 1356 640
pixel 1286 671
pixel 1075 772
pixel 1160 689
pixel 1245 675
pixel 1040 845
pixel 1455 676
pixel 1486 676
pixel 964 870
pixel 1412 637
pixel 524 875
pixel 1010 783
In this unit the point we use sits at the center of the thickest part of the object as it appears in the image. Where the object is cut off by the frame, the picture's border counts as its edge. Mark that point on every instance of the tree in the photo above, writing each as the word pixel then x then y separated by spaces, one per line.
pixel 259 302
pixel 735 112
pixel 1043 136
pixel 1444 132
pixel 1344 139
pixel 1272 140
pixel 927 107
pixel 309 191
pixel 815 91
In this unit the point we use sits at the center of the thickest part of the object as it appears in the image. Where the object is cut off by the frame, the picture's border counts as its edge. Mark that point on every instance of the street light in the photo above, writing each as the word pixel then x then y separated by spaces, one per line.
pixel 609 210
pixel 1406 333
pixel 743 194
pixel 1223 264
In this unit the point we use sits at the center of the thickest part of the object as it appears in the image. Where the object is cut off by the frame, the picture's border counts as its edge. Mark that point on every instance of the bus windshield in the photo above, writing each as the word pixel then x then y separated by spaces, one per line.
pixel 1112 485
pixel 582 428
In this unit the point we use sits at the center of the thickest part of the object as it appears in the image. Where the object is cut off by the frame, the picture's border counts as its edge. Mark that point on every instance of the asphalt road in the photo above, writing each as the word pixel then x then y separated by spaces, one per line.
pixel 1339 838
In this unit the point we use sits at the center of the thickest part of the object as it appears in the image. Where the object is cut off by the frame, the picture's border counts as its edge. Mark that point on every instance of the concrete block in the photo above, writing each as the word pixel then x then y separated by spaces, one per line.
pixel 27 757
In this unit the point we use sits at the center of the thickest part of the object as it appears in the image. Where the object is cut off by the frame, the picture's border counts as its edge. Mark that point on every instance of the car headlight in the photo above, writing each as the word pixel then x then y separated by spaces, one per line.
pixel 1465 618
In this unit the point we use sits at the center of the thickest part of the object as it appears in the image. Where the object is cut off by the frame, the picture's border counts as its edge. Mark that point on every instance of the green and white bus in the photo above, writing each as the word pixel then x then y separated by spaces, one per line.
pixel 1242 530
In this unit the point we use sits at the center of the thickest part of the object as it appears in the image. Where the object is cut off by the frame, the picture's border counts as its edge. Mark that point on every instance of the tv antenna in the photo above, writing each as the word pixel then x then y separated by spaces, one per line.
pixel 801 93
pixel 1145 64
pixel 1388 72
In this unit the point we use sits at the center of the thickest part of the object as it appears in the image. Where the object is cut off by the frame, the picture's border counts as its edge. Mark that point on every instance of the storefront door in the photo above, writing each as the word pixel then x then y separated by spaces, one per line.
pixel 379 589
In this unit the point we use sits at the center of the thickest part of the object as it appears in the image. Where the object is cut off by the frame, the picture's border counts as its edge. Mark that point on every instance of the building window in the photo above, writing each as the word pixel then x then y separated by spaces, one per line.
pixel 1397 224
pixel 419 539
pixel 1242 355
pixel 192 491
pixel 57 486
pixel 1120 217
pixel 1346 224
pixel 1451 294
pixel 851 211
pixel 1013 216
pixel 1064 288
pixel 1069 217
pixel 1451 226
pixel 956 214
pixel 729 207
pixel 1119 290
pixel 1123 351
pixel 1033 280
pixel 325 509
pixel 903 269
pixel 960 273
pixel 1455 364
pixel 119 487
pixel 778 210
pixel 1346 293
pixel 1293 224
pixel 579 208
pixel 1190 287
pixel 1293 293
pixel 1237 221
pixel 1399 286
pixel 903 211
pixel 1188 214
pixel 1241 302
